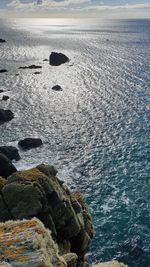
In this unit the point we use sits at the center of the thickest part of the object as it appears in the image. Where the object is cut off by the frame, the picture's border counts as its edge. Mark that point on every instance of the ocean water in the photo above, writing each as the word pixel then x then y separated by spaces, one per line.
pixel 97 130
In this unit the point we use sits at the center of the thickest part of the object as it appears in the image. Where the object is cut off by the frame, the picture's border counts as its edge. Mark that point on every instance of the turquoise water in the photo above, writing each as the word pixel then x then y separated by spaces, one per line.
pixel 97 130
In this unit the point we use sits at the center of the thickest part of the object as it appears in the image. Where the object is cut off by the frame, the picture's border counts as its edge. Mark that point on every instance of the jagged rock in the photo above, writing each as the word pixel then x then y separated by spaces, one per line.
pixel 38 192
pixel 3 71
pixel 57 88
pixel 110 264
pixel 31 67
pixel 2 41
pixel 5 115
pixel 10 152
pixel 5 97
pixel 29 143
pixel 71 259
pixel 57 59
pixel 6 167
pixel 28 243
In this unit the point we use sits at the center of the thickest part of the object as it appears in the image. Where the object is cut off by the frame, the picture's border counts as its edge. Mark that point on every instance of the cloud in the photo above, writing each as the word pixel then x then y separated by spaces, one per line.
pixel 126 6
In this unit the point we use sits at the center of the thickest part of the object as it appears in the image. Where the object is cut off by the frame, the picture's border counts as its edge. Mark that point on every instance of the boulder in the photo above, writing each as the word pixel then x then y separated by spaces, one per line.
pixel 5 115
pixel 5 97
pixel 57 88
pixel 71 259
pixel 3 71
pixel 57 59
pixel 29 143
pixel 38 192
pixel 1 91
pixel 6 167
pixel 31 67
pixel 2 41
pixel 10 152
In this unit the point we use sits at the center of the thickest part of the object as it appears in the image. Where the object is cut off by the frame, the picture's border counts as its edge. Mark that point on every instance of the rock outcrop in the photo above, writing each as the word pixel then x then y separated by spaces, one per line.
pixel 6 115
pixel 29 143
pixel 28 243
pixel 6 167
pixel 10 152
pixel 39 193
pixel 57 59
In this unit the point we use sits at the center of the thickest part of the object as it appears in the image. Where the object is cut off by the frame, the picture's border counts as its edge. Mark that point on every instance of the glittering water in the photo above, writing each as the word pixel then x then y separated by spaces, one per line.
pixel 97 130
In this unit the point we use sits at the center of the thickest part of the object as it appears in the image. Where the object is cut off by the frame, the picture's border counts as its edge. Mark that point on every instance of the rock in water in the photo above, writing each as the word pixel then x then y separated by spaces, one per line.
pixel 5 97
pixel 57 88
pixel 6 167
pixel 39 193
pixel 28 243
pixel 5 115
pixel 10 152
pixel 31 67
pixel 2 41
pixel 29 143
pixel 3 70
pixel 57 59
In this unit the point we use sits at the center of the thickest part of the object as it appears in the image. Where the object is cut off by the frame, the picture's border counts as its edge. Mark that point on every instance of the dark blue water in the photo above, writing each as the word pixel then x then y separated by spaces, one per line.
pixel 97 130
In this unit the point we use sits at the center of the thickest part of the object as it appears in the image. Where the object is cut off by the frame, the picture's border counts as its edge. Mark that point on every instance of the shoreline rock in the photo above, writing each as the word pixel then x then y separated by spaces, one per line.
pixel 39 193
pixel 57 88
pixel 2 40
pixel 3 70
pixel 10 152
pixel 6 167
pixel 5 97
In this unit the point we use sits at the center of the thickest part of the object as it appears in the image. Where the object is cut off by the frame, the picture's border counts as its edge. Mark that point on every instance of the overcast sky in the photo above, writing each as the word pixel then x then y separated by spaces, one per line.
pixel 139 8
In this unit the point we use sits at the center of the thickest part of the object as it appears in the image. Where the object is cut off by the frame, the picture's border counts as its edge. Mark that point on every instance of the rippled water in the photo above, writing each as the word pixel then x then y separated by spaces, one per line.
pixel 97 130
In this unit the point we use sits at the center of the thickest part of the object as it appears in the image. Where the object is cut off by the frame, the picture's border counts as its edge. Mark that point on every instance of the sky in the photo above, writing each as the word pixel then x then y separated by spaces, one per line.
pixel 91 8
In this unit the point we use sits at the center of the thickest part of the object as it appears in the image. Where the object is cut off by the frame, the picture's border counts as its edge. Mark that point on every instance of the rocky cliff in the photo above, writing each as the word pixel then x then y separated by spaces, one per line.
pixel 39 193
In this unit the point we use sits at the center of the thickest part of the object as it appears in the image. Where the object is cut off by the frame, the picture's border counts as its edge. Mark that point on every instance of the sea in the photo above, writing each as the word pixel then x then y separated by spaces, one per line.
pixel 96 131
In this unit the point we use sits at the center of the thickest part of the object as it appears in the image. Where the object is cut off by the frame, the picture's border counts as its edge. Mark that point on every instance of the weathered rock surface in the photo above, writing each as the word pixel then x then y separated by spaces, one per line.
pixel 3 71
pixel 10 152
pixel 39 193
pixel 57 59
pixel 28 243
pixel 6 167
pixel 5 97
pixel 110 264
pixel 6 115
pixel 31 67
pixel 57 88
pixel 29 143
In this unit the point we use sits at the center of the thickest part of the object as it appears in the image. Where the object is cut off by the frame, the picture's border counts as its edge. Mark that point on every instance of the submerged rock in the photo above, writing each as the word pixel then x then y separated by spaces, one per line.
pixel 31 67
pixel 3 71
pixel 10 152
pixel 29 143
pixel 57 88
pixel 38 192
pixel 37 72
pixel 5 115
pixel 6 167
pixel 5 97
pixel 2 41
pixel 57 59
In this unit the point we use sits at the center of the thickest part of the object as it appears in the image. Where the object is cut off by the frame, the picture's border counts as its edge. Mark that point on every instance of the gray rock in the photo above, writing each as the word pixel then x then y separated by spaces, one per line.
pixel 29 143
pixel 10 152
pixel 5 116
